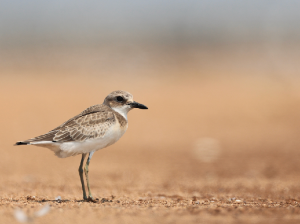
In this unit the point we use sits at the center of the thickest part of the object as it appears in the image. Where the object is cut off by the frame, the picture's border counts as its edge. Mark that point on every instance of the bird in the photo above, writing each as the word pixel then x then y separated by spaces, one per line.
pixel 95 128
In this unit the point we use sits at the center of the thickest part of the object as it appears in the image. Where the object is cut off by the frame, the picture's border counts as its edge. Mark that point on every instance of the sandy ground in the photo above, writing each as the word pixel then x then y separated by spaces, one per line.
pixel 210 149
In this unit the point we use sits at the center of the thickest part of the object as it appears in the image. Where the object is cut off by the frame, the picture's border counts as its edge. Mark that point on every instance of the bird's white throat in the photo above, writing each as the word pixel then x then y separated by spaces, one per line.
pixel 123 110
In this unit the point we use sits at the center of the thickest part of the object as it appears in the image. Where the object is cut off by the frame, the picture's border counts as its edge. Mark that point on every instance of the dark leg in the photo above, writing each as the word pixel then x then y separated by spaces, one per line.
pixel 81 175
pixel 86 171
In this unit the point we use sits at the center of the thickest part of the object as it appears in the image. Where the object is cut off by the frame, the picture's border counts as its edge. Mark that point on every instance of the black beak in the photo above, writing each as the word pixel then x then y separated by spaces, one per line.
pixel 137 105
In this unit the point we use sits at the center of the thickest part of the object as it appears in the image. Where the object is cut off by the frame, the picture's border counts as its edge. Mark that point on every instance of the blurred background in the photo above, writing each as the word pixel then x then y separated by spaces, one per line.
pixel 220 78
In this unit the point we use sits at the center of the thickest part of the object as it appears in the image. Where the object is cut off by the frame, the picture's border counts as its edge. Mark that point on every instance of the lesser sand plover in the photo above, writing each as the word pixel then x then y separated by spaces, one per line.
pixel 95 128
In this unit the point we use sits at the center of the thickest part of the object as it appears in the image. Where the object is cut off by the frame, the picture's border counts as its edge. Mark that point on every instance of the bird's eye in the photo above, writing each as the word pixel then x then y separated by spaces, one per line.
pixel 120 99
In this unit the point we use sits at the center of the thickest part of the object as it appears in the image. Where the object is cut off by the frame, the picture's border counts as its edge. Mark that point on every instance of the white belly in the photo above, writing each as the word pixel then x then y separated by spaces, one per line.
pixel 67 149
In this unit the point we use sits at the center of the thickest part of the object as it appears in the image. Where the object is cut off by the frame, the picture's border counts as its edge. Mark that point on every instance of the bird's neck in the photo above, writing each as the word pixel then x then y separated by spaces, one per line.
pixel 122 111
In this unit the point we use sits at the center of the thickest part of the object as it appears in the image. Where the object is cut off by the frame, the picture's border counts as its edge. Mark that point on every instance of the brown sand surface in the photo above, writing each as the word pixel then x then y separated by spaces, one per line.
pixel 210 149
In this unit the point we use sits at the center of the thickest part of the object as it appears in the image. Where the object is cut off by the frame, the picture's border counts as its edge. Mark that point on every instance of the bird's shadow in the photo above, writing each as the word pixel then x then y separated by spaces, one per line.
pixel 96 200
pixel 65 201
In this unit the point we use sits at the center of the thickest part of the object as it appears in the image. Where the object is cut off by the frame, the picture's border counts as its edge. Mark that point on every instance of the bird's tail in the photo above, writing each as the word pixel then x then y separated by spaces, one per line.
pixel 46 138
pixel 22 143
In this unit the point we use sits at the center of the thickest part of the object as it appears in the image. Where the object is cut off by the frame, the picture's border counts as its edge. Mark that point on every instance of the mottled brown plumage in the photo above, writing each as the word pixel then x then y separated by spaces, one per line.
pixel 92 123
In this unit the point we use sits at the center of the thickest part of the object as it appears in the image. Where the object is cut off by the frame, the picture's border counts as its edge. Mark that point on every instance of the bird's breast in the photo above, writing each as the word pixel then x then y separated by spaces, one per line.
pixel 115 133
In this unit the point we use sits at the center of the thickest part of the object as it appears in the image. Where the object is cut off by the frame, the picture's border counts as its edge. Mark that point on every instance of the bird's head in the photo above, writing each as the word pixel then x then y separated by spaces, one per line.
pixel 122 102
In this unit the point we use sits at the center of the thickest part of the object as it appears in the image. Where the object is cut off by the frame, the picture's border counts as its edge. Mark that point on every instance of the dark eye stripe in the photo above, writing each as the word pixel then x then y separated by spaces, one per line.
pixel 120 99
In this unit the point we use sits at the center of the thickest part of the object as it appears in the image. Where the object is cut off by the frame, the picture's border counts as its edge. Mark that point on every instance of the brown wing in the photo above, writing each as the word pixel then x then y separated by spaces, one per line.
pixel 86 127
pixel 91 123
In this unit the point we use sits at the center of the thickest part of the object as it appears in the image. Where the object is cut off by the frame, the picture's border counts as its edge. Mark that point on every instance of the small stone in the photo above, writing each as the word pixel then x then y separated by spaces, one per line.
pixel 30 198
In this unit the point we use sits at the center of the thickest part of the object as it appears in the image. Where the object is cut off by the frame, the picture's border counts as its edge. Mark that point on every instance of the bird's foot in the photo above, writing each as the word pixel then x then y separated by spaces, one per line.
pixel 91 199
